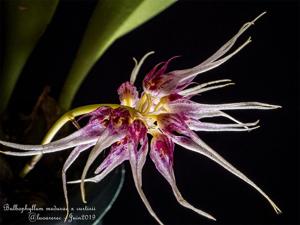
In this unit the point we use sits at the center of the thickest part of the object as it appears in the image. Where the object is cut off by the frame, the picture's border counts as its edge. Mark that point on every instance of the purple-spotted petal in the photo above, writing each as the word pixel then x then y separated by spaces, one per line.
pixel 118 154
pixel 157 82
pixel 119 151
pixel 128 94
pixel 137 138
pixel 105 140
pixel 172 124
pixel 100 116
pixel 115 131
pixel 137 132
pixel 161 153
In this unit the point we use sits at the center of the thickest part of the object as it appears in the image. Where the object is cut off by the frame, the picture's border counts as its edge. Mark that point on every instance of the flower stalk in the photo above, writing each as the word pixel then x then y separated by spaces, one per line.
pixel 67 117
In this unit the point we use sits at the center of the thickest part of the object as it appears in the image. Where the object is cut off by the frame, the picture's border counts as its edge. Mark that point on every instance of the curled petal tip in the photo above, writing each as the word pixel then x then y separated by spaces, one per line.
pixel 66 216
pixel 276 208
pixel 82 192
pixel 249 40
pixel 211 218
pixel 269 106
pixel 278 211
pixel 83 199
pixel 259 16
pixel 277 106
pixel 253 128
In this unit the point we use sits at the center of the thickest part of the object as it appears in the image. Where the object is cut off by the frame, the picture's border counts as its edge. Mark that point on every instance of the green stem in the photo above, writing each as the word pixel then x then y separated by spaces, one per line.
pixel 68 116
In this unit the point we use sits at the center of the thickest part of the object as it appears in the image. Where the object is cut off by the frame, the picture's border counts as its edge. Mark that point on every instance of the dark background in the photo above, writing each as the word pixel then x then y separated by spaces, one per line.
pixel 266 70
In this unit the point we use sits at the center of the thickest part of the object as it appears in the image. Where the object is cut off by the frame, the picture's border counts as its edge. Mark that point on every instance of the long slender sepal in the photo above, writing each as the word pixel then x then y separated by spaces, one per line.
pixel 71 158
pixel 68 116
pixel 197 145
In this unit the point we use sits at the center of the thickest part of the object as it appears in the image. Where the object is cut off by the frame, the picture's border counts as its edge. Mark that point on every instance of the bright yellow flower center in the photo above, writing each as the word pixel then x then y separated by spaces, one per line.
pixel 146 109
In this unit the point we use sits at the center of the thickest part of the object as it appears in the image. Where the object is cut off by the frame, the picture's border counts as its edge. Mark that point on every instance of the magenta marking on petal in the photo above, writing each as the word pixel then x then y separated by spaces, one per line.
pixel 128 94
pixel 109 136
pixel 172 124
pixel 157 81
pixel 156 71
pixel 153 72
pixel 119 120
pixel 118 152
pixel 100 114
pixel 163 69
pixel 137 131
pixel 174 97
pixel 161 152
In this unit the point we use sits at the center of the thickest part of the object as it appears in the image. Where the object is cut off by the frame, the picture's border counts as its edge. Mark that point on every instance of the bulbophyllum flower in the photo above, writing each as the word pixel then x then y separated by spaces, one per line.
pixel 166 112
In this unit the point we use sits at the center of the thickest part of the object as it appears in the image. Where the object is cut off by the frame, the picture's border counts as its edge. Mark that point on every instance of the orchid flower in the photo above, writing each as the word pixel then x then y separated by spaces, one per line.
pixel 164 111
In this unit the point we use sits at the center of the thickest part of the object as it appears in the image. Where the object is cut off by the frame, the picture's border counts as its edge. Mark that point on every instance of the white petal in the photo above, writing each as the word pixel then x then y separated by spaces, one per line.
pixel 137 164
pixel 72 157
pixel 105 140
pixel 197 145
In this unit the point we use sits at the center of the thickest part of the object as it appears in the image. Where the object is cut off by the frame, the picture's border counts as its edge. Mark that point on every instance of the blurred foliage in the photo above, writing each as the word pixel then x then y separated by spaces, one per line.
pixel 25 22
pixel 110 20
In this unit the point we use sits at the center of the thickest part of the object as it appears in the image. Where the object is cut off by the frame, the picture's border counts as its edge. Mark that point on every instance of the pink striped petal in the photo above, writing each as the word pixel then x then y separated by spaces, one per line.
pixel 100 116
pixel 192 142
pixel 157 82
pixel 137 160
pixel 161 153
pixel 118 154
pixel 115 131
pixel 128 94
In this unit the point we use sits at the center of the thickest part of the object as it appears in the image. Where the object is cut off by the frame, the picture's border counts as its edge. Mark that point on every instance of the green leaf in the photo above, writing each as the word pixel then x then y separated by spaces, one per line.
pixel 110 20
pixel 25 22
